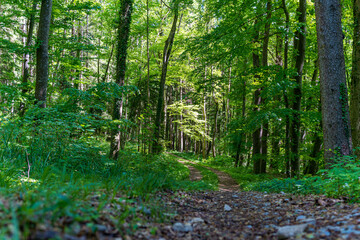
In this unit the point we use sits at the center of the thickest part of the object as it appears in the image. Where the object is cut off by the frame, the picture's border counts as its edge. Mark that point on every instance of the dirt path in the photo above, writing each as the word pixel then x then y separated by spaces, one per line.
pixel 226 182
pixel 231 214
pixel 195 175
pixel 254 215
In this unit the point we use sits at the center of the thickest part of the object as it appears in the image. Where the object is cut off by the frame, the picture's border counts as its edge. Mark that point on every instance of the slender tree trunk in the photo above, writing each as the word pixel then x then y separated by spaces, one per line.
pixel 265 127
pixel 160 105
pixel 148 54
pixel 261 134
pixel 296 105
pixel 257 102
pixel 26 61
pixel 123 37
pixel 42 53
pixel 215 128
pixel 334 99
pixel 108 64
pixel 355 78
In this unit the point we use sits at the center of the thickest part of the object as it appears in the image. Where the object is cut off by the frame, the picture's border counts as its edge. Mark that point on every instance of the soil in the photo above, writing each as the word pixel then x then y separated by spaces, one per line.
pixel 233 214
pixel 228 214
pixel 195 175
pixel 226 182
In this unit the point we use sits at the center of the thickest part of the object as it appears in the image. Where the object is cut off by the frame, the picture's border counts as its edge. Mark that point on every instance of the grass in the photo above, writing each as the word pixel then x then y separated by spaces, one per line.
pixel 243 176
pixel 54 182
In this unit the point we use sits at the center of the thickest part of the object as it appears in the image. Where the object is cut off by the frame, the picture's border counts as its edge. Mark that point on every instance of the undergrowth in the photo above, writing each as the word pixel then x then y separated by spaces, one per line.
pixel 54 174
pixel 341 180
pixel 243 176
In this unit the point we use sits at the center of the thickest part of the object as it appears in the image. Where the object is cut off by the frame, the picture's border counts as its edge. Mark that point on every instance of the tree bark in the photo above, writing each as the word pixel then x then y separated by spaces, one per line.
pixel 300 44
pixel 42 54
pixel 260 135
pixel 286 101
pixel 156 148
pixel 355 78
pixel 121 54
pixel 334 99
pixel 26 61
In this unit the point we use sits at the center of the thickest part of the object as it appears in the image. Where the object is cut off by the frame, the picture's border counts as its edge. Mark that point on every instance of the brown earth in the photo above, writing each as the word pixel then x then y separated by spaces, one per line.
pixel 227 214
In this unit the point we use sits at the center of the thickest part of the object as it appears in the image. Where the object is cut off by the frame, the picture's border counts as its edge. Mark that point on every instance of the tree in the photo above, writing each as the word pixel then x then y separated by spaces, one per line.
pixel 300 44
pixel 42 53
pixel 160 104
pixel 123 37
pixel 334 99
pixel 26 63
pixel 355 77
pixel 260 136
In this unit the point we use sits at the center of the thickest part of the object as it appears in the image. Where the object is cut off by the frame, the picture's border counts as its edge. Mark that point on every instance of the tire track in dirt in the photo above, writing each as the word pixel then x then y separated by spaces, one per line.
pixel 226 182
pixel 195 174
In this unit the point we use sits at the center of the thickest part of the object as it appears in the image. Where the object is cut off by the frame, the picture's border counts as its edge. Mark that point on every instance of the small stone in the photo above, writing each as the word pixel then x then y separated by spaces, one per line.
pixel 235 196
pixel 145 210
pixel 290 231
pixel 45 235
pixel 196 220
pixel 300 218
pixel 100 228
pixel 180 227
pixel 227 208
pixel 298 211
pixel 310 221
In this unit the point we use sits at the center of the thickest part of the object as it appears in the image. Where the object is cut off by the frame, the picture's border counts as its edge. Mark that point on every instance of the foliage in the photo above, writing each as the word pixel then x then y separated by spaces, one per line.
pixel 341 180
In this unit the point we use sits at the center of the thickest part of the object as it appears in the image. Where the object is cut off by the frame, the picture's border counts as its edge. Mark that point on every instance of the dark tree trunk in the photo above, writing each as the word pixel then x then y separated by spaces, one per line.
pixel 300 44
pixel 121 54
pixel 160 105
pixel 108 64
pixel 334 98
pixel 42 53
pixel 355 78
pixel 260 136
pixel 256 136
pixel 286 101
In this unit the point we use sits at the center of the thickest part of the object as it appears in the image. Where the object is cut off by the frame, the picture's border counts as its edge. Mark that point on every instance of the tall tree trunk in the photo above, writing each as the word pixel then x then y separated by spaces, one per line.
pixel 355 78
pixel 256 136
pixel 160 105
pixel 261 134
pixel 334 98
pixel 26 60
pixel 121 54
pixel 42 53
pixel 286 101
pixel 148 55
pixel 300 44
pixel 108 64
pixel 265 127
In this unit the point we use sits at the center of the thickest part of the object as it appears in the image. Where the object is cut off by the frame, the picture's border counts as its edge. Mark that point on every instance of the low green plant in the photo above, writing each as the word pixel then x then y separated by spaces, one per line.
pixel 339 180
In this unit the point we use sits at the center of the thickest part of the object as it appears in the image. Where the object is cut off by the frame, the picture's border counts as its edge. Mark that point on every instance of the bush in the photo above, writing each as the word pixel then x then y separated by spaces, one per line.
pixel 340 180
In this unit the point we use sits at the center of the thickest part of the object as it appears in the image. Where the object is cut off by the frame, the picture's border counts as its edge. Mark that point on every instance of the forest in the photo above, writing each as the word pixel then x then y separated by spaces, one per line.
pixel 179 119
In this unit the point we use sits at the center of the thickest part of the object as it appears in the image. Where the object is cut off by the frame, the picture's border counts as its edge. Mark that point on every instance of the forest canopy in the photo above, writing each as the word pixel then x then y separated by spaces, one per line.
pixel 239 79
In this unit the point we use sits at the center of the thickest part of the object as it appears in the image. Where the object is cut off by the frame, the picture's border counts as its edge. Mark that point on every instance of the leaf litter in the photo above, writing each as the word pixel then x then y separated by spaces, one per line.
pixel 224 214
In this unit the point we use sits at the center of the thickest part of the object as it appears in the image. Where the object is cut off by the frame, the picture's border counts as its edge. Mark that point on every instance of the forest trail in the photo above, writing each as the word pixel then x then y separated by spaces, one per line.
pixel 226 182
pixel 195 174
pixel 233 214
pixel 255 215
